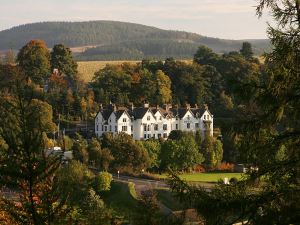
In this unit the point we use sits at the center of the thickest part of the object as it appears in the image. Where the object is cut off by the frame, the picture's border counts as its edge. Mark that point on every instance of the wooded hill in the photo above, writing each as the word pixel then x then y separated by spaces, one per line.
pixel 110 40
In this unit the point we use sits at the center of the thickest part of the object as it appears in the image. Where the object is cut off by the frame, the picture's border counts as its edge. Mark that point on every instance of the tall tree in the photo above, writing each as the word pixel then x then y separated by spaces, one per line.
pixel 34 59
pixel 269 137
pixel 246 50
pixel 62 59
pixel 24 164
pixel 164 93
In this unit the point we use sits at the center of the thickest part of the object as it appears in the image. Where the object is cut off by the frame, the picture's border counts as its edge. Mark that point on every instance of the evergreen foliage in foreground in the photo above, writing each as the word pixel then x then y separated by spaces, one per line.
pixel 268 137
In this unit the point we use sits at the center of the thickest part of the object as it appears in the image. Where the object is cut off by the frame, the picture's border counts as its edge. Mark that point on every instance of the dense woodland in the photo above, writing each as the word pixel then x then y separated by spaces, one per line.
pixel 119 40
pixel 256 108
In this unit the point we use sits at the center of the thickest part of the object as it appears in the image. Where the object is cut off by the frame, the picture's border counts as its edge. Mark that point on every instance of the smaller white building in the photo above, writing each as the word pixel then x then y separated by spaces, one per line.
pixel 152 122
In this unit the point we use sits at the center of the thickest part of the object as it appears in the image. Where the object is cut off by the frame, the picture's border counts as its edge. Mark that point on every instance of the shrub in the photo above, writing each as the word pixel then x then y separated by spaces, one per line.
pixel 103 182
pixel 199 169
pixel 233 180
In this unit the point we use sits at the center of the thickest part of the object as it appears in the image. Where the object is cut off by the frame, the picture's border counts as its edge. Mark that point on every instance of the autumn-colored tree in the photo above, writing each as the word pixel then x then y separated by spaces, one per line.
pixel 34 59
pixel 163 93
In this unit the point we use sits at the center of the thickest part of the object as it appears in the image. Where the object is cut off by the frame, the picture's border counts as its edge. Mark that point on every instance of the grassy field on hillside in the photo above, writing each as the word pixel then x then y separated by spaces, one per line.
pixel 206 177
pixel 121 198
pixel 87 69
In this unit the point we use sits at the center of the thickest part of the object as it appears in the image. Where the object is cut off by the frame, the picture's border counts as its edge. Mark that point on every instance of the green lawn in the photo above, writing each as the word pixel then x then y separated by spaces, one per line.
pixel 121 198
pixel 205 177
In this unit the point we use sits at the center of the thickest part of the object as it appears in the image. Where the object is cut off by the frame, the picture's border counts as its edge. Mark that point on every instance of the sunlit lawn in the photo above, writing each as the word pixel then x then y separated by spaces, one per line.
pixel 206 177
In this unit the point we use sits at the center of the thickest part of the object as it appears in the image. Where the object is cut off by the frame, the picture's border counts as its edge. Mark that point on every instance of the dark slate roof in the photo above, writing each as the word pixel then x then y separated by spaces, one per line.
pixel 180 112
pixel 138 113
pixel 119 113
pixel 106 113
pixel 200 111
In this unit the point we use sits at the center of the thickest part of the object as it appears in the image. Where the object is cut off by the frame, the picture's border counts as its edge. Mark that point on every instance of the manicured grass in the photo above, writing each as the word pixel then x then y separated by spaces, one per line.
pixel 87 69
pixel 166 197
pixel 121 198
pixel 206 177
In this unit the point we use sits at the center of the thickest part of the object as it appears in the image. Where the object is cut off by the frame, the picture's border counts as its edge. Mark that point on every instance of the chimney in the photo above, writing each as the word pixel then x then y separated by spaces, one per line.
pixel 205 106
pixel 146 105
pixel 131 106
pixel 196 106
pixel 100 106
pixel 114 107
pixel 188 106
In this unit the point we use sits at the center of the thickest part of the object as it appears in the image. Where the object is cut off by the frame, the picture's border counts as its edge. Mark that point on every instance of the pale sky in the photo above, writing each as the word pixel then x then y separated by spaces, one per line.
pixel 233 19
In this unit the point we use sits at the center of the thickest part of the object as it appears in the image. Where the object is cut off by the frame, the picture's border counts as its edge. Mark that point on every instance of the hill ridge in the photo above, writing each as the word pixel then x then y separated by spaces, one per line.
pixel 117 38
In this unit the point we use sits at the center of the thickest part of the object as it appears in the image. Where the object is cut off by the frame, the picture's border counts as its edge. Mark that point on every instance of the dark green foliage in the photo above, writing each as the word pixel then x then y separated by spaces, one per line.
pixel 113 82
pixel 180 155
pixel 246 50
pixel 34 60
pixel 266 134
pixel 147 209
pixel 205 56
pixel 80 149
pixel 74 181
pixel 128 155
pixel 24 165
pixel 153 148
pixel 62 59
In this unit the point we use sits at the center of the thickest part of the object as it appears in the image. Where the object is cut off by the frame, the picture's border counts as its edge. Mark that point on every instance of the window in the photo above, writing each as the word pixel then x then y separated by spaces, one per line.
pixel 165 135
pixel 165 126
pixel 102 128
pixel 155 126
pixel 97 128
pixel 110 128
pixel 116 129
pixel 149 135
pixel 105 128
pixel 131 128
pixel 124 128
pixel 188 125
pixel 124 120
pixel 148 117
pixel 145 127
pixel 154 136
pixel 159 135
pixel 205 117
pixel 145 136
pixel 188 117
pixel 131 135
pixel 197 125
pixel 176 126
pixel 148 128
pixel 160 118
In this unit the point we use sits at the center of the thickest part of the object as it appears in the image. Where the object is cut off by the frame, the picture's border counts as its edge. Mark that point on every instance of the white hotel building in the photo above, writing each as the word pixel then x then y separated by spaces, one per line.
pixel 152 122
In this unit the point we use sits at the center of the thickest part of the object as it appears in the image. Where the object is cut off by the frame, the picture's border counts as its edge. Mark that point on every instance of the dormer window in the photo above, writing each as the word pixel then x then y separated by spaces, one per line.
pixel 208 117
pixel 188 117
pixel 148 117
pixel 205 117
pixel 124 120
pixel 160 118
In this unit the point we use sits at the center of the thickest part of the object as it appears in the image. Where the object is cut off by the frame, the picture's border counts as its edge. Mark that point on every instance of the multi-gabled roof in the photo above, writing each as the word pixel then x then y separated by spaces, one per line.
pixel 139 112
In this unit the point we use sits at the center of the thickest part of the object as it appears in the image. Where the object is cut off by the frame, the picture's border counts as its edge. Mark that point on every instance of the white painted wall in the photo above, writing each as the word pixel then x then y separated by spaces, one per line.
pixel 150 121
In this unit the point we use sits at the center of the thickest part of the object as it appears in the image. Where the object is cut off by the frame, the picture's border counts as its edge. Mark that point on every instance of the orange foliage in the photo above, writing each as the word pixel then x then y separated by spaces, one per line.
pixel 226 167
pixel 199 169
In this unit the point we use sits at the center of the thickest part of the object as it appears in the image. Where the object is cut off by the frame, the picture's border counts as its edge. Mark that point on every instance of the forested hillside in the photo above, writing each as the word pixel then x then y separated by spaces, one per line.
pixel 109 40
